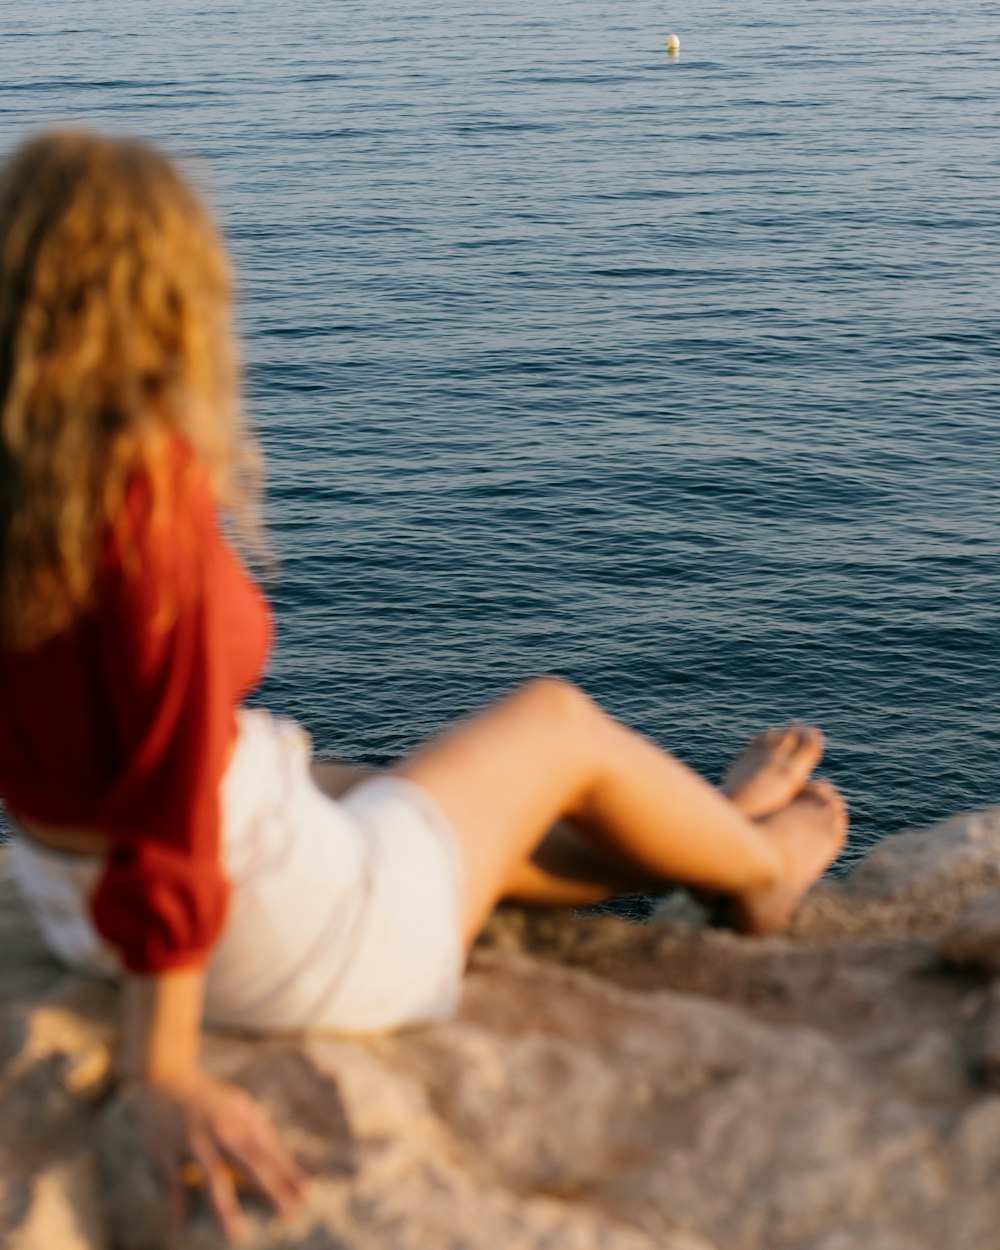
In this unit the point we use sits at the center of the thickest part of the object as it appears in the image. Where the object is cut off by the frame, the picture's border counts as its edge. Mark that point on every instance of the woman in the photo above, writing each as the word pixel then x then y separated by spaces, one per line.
pixel 185 844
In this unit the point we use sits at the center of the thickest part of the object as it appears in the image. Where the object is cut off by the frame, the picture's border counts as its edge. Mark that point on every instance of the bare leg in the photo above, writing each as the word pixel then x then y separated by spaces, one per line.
pixel 505 777
pixel 568 871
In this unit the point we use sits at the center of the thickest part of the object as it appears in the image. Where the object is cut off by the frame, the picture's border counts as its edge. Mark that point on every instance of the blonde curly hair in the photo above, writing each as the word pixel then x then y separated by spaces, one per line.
pixel 115 338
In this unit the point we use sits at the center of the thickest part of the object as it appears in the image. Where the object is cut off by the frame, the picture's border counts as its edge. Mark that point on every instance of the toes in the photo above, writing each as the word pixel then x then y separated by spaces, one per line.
pixel 797 737
pixel 777 745
pixel 768 742
pixel 813 739
pixel 821 792
pixel 788 741
pixel 843 817
pixel 809 743
pixel 803 733
pixel 825 794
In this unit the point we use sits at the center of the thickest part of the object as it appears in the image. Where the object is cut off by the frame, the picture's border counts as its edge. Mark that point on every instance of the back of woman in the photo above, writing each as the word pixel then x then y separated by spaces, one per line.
pixel 128 632
pixel 187 845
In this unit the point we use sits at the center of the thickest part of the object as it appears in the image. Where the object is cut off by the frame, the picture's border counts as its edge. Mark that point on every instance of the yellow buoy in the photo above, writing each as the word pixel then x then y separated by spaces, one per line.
pixel 673 45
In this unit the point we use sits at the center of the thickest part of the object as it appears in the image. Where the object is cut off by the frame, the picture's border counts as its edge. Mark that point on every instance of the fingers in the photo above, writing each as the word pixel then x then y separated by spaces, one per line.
pixel 173 1182
pixel 265 1163
pixel 221 1189
pixel 209 1137
pixel 252 1156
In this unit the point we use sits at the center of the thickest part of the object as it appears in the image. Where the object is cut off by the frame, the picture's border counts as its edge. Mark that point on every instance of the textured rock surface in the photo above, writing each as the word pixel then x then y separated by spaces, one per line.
pixel 663 1087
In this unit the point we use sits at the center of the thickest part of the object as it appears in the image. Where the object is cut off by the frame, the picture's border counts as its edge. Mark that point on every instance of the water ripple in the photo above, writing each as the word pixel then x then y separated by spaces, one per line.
pixel 677 377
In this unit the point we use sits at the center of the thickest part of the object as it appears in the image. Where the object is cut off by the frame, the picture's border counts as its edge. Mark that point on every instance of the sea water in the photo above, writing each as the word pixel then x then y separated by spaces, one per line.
pixel 677 376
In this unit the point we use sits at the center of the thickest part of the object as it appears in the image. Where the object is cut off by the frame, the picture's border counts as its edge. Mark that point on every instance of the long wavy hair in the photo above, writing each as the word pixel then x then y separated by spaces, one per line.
pixel 115 340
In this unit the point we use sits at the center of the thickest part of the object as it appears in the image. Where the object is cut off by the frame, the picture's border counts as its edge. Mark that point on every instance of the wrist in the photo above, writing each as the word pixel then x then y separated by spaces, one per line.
pixel 161 1027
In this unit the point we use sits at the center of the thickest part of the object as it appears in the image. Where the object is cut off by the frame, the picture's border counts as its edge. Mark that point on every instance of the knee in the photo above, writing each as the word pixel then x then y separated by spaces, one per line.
pixel 558 702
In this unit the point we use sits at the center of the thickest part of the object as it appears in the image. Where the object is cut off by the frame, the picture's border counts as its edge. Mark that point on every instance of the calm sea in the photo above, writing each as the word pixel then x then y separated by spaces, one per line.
pixel 678 376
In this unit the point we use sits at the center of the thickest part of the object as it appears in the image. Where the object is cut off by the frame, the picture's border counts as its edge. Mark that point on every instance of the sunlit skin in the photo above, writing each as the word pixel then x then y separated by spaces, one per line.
pixel 552 801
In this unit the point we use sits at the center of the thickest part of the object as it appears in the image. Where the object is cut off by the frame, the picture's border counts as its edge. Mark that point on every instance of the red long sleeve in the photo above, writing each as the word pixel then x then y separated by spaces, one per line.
pixel 124 724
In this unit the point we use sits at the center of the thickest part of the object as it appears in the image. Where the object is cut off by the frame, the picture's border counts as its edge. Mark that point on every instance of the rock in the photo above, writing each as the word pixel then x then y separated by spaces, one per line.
pixel 62 1208
pixel 973 938
pixel 986 1037
pixel 606 1086
pixel 976 1142
pixel 935 1067
pixel 913 882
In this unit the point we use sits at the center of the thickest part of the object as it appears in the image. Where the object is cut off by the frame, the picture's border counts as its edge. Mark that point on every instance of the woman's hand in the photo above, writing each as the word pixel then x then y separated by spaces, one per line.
pixel 200 1132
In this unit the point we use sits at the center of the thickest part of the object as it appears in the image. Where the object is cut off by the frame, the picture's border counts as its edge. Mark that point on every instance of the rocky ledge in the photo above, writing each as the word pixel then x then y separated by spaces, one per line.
pixel 658 1087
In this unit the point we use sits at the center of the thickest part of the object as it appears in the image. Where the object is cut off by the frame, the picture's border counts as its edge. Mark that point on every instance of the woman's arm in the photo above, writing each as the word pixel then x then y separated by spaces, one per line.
pixel 161 1025
pixel 197 1130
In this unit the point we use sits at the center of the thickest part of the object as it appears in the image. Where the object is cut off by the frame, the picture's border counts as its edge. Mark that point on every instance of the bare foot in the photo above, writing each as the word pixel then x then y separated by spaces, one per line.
pixel 772 769
pixel 808 835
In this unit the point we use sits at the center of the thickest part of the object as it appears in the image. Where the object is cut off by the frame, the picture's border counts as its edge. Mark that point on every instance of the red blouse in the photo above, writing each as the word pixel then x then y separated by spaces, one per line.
pixel 124 723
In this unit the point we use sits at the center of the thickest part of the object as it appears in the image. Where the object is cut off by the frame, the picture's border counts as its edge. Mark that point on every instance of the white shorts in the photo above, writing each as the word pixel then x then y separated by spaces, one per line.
pixel 345 914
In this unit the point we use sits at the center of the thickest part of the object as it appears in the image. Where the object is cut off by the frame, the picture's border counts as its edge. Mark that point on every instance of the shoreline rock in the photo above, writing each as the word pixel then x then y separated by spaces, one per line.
pixel 655 1087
